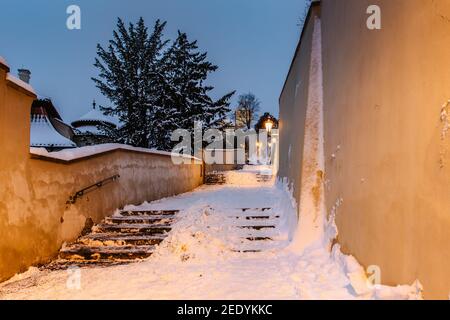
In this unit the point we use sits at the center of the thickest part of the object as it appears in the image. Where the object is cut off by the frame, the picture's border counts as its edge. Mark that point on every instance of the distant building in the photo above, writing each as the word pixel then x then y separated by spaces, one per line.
pixel 48 130
pixel 264 120
pixel 88 129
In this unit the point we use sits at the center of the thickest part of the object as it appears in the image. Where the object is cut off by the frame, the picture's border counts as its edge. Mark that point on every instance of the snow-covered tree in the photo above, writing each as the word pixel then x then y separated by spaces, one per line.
pixel 129 77
pixel 187 96
pixel 155 88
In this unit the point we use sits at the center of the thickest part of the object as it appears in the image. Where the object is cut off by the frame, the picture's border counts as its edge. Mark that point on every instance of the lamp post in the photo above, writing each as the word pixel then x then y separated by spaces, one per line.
pixel 269 125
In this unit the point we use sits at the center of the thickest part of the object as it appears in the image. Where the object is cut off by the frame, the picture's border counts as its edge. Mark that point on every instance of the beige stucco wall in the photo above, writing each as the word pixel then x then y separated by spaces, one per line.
pixel 383 95
pixel 293 110
pixel 34 217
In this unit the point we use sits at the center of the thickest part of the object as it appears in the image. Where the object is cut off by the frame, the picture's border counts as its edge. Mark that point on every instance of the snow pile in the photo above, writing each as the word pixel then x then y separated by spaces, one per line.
pixel 197 236
pixel 312 212
pixel 365 288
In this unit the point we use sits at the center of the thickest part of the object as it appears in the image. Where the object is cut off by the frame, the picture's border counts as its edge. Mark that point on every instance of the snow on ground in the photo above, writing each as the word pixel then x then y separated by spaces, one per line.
pixel 195 261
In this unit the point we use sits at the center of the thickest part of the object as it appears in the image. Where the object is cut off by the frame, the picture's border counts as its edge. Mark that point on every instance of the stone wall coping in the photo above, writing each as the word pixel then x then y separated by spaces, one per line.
pixel 76 154
pixel 4 64
pixel 20 85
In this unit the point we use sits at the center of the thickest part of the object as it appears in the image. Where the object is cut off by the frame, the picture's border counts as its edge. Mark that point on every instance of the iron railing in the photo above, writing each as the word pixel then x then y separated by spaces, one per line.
pixel 79 194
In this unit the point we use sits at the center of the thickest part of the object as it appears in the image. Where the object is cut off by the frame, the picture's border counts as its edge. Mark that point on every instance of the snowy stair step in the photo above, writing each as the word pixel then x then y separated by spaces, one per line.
pixel 137 239
pixel 140 219
pixel 80 252
pixel 215 178
pixel 258 239
pixel 258 227
pixel 252 233
pixel 254 217
pixel 248 245
pixel 64 264
pixel 246 250
pixel 133 228
pixel 251 223
pixel 139 213
pixel 255 209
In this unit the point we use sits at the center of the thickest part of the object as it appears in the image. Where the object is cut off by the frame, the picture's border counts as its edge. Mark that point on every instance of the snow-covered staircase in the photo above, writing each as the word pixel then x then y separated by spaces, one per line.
pixel 122 238
pixel 215 178
pixel 263 177
pixel 253 229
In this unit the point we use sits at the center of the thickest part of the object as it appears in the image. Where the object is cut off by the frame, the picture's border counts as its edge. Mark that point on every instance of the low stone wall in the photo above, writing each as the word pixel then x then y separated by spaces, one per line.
pixel 35 218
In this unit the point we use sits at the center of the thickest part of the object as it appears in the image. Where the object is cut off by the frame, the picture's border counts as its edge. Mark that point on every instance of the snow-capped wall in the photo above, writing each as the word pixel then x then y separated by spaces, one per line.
pixel 35 194
pixel 35 216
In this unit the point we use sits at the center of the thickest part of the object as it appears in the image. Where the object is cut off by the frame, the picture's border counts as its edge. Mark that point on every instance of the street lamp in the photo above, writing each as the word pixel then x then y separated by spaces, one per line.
pixel 269 125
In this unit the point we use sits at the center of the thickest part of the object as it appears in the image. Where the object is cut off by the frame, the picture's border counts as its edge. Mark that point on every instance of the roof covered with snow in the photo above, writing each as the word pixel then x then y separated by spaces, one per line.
pixel 96 115
pixel 89 129
pixel 43 134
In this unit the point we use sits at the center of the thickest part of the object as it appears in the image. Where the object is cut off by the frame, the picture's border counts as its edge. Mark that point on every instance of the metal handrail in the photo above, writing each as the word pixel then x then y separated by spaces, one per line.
pixel 79 194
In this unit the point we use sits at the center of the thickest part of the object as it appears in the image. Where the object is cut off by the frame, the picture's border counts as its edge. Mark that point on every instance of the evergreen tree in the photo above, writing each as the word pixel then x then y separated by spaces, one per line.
pixel 129 76
pixel 154 90
pixel 187 96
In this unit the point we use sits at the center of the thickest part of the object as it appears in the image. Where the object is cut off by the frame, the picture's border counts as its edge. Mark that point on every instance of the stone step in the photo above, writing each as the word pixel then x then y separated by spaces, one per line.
pixel 255 209
pixel 63 264
pixel 251 223
pixel 133 228
pixel 252 233
pixel 257 227
pixel 81 252
pixel 254 217
pixel 246 251
pixel 137 239
pixel 215 178
pixel 140 219
pixel 258 239
pixel 128 213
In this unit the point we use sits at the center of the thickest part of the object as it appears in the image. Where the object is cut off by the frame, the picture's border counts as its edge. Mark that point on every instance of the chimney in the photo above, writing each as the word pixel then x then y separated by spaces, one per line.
pixel 24 75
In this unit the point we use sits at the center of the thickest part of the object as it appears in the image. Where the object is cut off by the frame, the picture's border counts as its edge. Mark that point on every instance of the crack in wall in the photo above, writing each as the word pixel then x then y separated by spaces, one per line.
pixel 445 121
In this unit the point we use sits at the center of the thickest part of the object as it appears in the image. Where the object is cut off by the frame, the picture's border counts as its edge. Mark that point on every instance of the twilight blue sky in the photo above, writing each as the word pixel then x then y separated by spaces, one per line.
pixel 252 42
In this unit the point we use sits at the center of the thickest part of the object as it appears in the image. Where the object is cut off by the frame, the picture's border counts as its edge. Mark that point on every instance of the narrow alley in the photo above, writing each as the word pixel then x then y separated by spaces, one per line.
pixel 228 241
